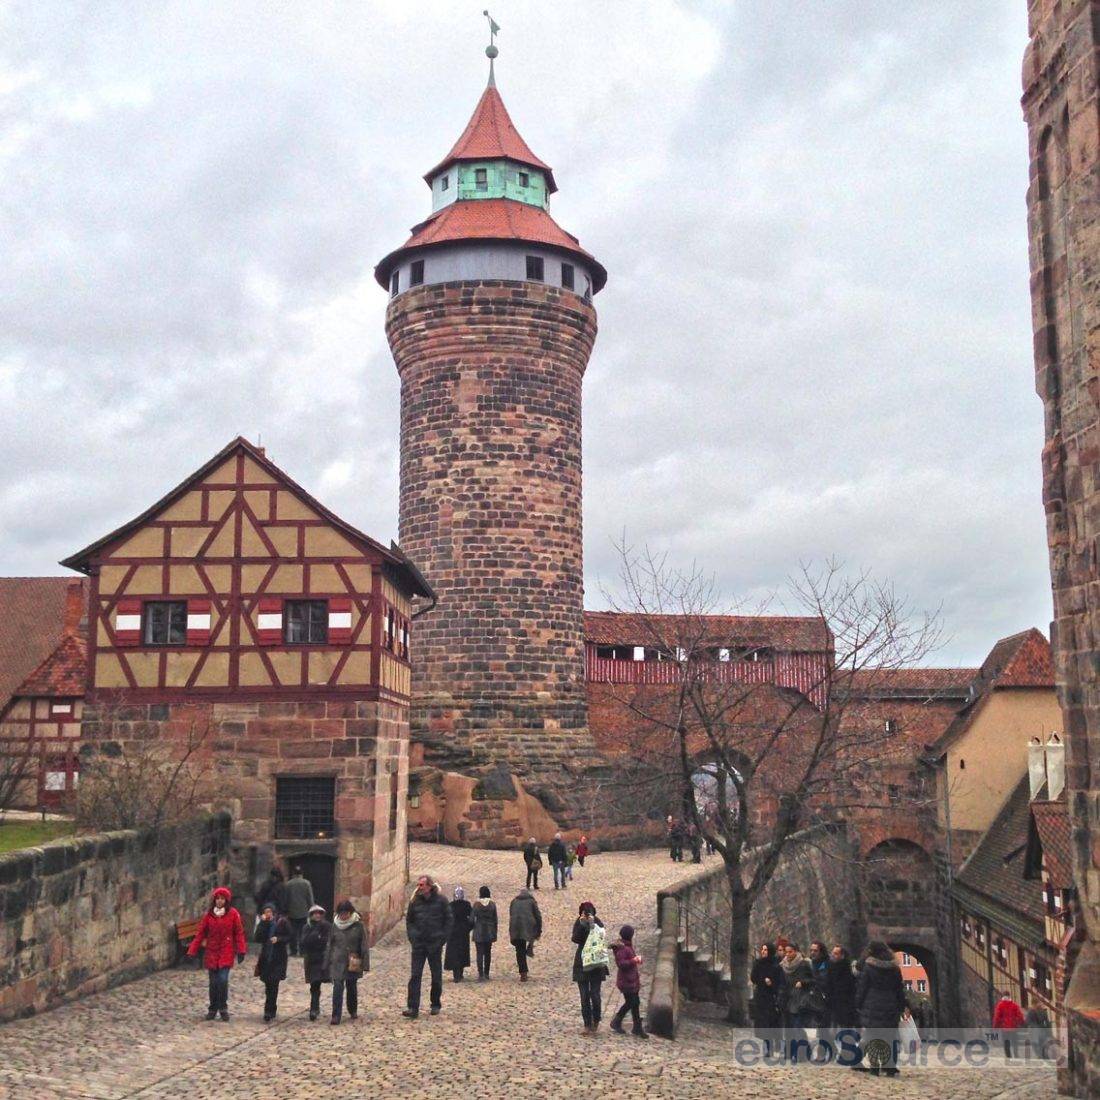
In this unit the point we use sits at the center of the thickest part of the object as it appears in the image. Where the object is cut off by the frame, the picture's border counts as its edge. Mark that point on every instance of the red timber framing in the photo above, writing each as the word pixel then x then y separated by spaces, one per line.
pixel 233 547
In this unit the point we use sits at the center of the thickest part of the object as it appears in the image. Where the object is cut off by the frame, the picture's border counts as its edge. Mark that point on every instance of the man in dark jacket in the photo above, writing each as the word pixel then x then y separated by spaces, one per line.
pixel 557 855
pixel 533 861
pixel 524 927
pixel 840 990
pixel 299 897
pixel 272 890
pixel 428 924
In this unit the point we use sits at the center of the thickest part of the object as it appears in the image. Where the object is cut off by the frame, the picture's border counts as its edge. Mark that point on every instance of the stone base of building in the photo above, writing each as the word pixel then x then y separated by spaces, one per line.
pixel 244 748
pixel 1081 1076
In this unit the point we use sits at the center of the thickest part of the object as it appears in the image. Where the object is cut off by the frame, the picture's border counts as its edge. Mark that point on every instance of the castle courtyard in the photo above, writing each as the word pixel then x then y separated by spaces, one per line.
pixel 148 1038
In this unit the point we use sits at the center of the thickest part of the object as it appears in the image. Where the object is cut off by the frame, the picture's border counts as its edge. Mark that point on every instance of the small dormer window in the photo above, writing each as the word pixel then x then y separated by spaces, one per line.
pixel 444 183
pixel 535 268
pixel 567 276
pixel 481 179
pixel 395 283
pixel 524 179
pixel 416 273
pixel 891 725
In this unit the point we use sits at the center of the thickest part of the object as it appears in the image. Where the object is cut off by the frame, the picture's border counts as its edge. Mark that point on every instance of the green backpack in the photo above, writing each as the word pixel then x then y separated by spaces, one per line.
pixel 595 954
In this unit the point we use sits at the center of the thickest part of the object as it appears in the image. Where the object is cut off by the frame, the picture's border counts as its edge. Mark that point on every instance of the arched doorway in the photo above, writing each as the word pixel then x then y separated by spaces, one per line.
pixel 918 972
pixel 320 870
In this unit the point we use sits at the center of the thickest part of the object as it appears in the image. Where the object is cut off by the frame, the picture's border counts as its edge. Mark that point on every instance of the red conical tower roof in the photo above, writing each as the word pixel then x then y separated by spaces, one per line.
pixel 491 135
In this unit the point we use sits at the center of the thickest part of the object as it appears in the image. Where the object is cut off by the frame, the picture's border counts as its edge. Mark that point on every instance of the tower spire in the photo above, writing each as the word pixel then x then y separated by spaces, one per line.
pixel 491 51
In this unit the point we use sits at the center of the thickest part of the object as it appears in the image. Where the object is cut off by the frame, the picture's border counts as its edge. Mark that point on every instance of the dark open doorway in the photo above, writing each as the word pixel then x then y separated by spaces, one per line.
pixel 320 870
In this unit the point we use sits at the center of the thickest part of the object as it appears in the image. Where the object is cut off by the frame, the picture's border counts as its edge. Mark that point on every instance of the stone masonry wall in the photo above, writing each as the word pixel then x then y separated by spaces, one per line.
pixel 490 509
pixel 1061 72
pixel 83 914
pixel 360 743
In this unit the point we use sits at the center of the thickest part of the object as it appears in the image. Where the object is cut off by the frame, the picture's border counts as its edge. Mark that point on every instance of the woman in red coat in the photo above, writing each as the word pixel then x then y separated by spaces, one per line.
pixel 1007 1017
pixel 222 935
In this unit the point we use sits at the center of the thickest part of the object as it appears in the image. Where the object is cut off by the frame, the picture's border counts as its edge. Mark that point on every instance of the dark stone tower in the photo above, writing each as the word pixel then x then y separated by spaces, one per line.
pixel 1061 74
pixel 491 325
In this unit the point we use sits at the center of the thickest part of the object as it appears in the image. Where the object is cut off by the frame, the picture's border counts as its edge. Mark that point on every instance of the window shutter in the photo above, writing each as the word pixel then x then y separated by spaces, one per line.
pixel 128 623
pixel 269 621
pixel 198 622
pixel 339 621
pixel 405 638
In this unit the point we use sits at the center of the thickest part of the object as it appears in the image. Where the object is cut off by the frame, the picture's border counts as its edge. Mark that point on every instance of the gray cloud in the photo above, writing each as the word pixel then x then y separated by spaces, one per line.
pixel 815 339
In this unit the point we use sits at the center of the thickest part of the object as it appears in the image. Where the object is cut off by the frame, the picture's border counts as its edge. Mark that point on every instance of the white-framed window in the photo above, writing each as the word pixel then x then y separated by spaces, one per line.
pixel 922 985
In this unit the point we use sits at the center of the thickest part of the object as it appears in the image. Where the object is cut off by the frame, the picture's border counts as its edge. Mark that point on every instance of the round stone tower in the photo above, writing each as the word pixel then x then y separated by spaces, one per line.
pixel 491 325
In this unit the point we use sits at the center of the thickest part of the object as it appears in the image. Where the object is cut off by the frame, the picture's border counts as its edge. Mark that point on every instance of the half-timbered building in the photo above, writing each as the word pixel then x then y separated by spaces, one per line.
pixel 240 615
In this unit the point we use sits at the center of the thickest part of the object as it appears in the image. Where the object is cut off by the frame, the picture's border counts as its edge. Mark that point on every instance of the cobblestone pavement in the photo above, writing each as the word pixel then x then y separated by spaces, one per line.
pixel 149 1038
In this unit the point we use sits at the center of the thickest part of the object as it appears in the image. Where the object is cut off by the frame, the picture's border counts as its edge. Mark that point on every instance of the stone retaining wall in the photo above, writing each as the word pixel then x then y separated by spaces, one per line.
pixel 85 913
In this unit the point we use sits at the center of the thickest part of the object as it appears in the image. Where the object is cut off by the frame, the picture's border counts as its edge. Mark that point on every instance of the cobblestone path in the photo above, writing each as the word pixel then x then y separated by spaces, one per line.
pixel 503 1039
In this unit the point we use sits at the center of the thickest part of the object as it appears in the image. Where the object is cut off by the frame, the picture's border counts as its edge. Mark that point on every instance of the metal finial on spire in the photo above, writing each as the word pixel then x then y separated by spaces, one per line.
pixel 491 51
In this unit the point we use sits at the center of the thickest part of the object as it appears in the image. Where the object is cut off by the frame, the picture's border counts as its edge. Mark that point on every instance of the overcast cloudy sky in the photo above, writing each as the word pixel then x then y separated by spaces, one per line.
pixel 815 338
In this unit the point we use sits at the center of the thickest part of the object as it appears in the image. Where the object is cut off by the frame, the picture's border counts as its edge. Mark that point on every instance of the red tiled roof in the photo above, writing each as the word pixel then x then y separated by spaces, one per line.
pixel 1027 661
pixel 32 622
pixel 789 633
pixel 912 681
pixel 62 673
pixel 491 135
pixel 1052 824
pixel 491 220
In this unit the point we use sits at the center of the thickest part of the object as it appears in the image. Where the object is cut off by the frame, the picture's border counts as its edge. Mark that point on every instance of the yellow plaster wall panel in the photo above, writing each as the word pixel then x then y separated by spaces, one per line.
pixel 109 578
pixel 179 666
pixel 284 539
pixel 102 639
pixel 108 671
pixel 214 672
pixel 288 667
pixel 289 506
pixel 357 669
pixel 287 580
pixel 253 472
pixel 145 667
pixel 324 542
pixel 220 576
pixel 222 546
pixel 184 580
pixel 324 578
pixel 252 672
pixel 146 581
pixel 189 506
pixel 322 663
pixel 219 502
pixel 360 577
pixel 226 472
pixel 148 542
pixel 187 540
pixel 259 500
pixel 252 545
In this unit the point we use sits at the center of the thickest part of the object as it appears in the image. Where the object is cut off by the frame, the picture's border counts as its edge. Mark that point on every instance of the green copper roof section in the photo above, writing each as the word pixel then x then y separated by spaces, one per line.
pixel 489 179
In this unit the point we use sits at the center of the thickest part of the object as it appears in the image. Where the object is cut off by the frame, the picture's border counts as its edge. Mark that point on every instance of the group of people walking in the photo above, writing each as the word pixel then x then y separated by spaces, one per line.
pixel 826 989
pixel 336 952
pixel 563 857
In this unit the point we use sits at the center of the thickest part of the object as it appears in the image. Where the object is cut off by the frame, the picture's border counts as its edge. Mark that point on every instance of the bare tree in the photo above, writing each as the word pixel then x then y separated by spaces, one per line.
pixel 150 784
pixel 774 761
pixel 16 764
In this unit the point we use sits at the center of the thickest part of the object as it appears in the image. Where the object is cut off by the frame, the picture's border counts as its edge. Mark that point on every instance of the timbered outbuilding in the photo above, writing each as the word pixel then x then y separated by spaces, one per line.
pixel 239 612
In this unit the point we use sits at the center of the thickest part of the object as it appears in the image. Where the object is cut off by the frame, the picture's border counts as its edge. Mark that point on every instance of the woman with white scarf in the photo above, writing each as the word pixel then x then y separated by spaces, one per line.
pixel 347 957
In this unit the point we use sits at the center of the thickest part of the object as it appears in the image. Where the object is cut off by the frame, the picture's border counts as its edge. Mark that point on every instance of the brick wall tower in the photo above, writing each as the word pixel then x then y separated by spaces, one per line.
pixel 1060 75
pixel 491 325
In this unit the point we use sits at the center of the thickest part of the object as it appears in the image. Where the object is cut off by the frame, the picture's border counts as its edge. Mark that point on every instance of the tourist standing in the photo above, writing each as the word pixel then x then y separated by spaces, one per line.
pixel 840 990
pixel 299 897
pixel 557 855
pixel 629 982
pixel 880 999
pixel 428 926
pixel 347 959
pixel 221 939
pixel 524 927
pixel 1008 1016
pixel 570 860
pixel 768 988
pixel 799 977
pixel 695 843
pixel 485 931
pixel 819 964
pixel 590 964
pixel 533 861
pixel 272 889
pixel 458 942
pixel 582 850
pixel 314 946
pixel 273 934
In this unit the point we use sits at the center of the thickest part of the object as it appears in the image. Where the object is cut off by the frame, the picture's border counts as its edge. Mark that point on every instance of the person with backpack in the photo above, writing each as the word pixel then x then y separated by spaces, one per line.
pixel 314 945
pixel 220 938
pixel 273 934
pixel 629 982
pixel 590 964
pixel 485 931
